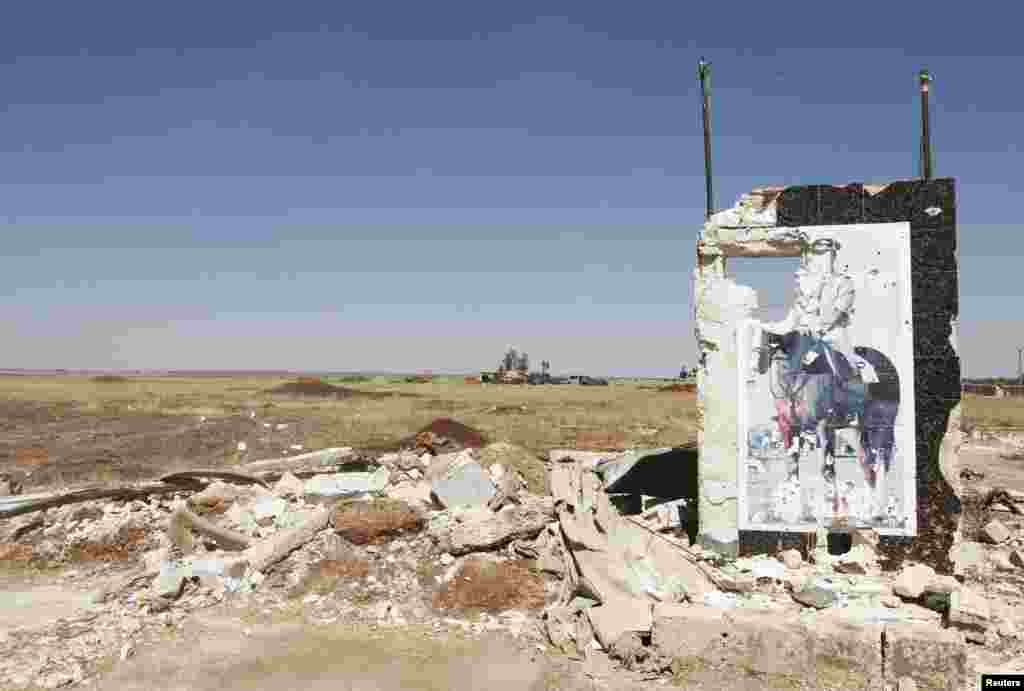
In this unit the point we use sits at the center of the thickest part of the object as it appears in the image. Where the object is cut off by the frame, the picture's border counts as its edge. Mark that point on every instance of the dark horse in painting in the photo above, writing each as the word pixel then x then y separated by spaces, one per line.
pixel 816 392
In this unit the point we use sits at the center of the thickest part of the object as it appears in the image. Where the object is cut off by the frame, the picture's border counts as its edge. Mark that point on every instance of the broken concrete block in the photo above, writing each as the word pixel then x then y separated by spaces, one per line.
pixel 912 581
pixel 1001 560
pixel 935 658
pixel 814 594
pixel 792 559
pixel 289 486
pixel 845 654
pixel 477 529
pixel 347 484
pixel 995 532
pixel 458 480
pixel 618 616
pixel 679 630
pixel 415 493
pixel 969 611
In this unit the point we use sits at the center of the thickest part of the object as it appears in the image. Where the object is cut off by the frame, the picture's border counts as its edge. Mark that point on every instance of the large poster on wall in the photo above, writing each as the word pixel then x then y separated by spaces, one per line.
pixel 826 399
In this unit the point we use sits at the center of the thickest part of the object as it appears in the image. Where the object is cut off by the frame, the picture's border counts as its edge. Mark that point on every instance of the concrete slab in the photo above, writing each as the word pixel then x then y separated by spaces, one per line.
pixel 934 658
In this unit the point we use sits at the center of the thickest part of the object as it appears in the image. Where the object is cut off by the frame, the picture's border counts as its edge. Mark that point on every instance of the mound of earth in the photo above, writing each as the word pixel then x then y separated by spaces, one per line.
pixel 312 387
pixel 443 435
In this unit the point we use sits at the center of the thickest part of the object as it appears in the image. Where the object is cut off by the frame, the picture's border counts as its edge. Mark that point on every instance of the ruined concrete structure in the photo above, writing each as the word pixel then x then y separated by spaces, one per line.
pixel 770 223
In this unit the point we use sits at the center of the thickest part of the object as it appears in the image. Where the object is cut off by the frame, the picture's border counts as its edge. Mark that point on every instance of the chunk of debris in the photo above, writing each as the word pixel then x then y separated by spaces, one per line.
pixel 375 522
pixel 289 486
pixel 414 493
pixel 477 529
pixel 458 480
pixel 912 581
pixel 996 532
pixel 814 594
pixel 1017 558
pixel 792 559
pixel 346 484
pixel 969 611
pixel 1001 560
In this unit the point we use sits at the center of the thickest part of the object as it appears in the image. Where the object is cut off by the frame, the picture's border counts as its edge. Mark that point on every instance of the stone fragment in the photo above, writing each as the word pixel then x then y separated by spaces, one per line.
pixel 891 601
pixel 969 611
pixel 416 493
pixel 458 480
pixel 814 594
pixel 289 486
pixel 792 559
pixel 935 658
pixel 477 529
pixel 912 580
pixel 1001 560
pixel 996 532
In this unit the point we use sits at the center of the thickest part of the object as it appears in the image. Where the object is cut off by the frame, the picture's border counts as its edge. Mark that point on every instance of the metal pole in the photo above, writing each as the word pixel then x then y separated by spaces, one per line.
pixel 1020 366
pixel 926 145
pixel 704 74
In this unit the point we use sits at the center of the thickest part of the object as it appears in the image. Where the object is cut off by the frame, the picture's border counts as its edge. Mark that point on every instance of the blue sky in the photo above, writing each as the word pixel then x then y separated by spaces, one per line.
pixel 413 186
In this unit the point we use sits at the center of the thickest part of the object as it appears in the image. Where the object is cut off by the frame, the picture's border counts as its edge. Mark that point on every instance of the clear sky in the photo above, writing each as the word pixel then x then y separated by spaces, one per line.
pixel 413 186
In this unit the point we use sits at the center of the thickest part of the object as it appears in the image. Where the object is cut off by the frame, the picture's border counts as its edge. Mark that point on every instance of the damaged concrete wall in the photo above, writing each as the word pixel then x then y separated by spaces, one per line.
pixel 764 223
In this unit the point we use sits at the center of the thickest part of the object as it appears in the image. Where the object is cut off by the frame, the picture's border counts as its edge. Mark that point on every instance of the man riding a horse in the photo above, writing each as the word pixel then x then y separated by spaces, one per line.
pixel 822 310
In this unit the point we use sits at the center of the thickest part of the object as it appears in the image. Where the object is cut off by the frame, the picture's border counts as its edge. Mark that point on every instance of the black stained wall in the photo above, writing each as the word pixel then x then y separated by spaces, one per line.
pixel 935 294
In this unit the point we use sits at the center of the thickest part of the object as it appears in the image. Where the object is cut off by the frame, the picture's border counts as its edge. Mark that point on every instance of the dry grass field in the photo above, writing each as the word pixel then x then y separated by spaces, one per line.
pixel 74 428
pixel 69 428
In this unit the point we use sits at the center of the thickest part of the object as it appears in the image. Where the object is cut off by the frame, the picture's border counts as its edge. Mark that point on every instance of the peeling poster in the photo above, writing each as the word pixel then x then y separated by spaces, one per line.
pixel 826 414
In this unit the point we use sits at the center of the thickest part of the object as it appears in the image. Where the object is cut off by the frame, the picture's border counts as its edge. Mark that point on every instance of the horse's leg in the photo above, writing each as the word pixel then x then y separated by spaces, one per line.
pixel 826 452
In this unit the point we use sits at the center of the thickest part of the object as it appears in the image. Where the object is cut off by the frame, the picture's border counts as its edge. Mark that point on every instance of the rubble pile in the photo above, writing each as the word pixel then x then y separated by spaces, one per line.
pixel 458 540
pixel 401 538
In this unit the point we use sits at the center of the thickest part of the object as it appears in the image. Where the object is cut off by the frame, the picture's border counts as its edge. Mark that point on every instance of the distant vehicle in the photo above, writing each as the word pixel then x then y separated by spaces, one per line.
pixel 558 380
pixel 593 381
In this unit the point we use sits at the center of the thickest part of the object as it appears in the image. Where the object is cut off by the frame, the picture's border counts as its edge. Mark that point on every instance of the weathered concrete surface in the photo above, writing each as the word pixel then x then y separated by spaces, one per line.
pixel 721 305
pixel 458 480
pixel 616 617
pixel 461 531
pixel 829 654
pixel 934 658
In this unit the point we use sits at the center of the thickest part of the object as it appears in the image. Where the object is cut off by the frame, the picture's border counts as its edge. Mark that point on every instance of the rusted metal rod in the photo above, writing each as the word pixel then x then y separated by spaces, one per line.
pixel 926 145
pixel 704 74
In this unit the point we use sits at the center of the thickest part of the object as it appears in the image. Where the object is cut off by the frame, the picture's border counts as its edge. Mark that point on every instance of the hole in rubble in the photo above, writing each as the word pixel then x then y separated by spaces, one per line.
pixel 839 543
pixel 646 639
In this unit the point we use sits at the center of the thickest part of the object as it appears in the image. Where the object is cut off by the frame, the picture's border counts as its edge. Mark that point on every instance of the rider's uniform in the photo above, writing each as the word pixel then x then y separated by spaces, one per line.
pixel 825 310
